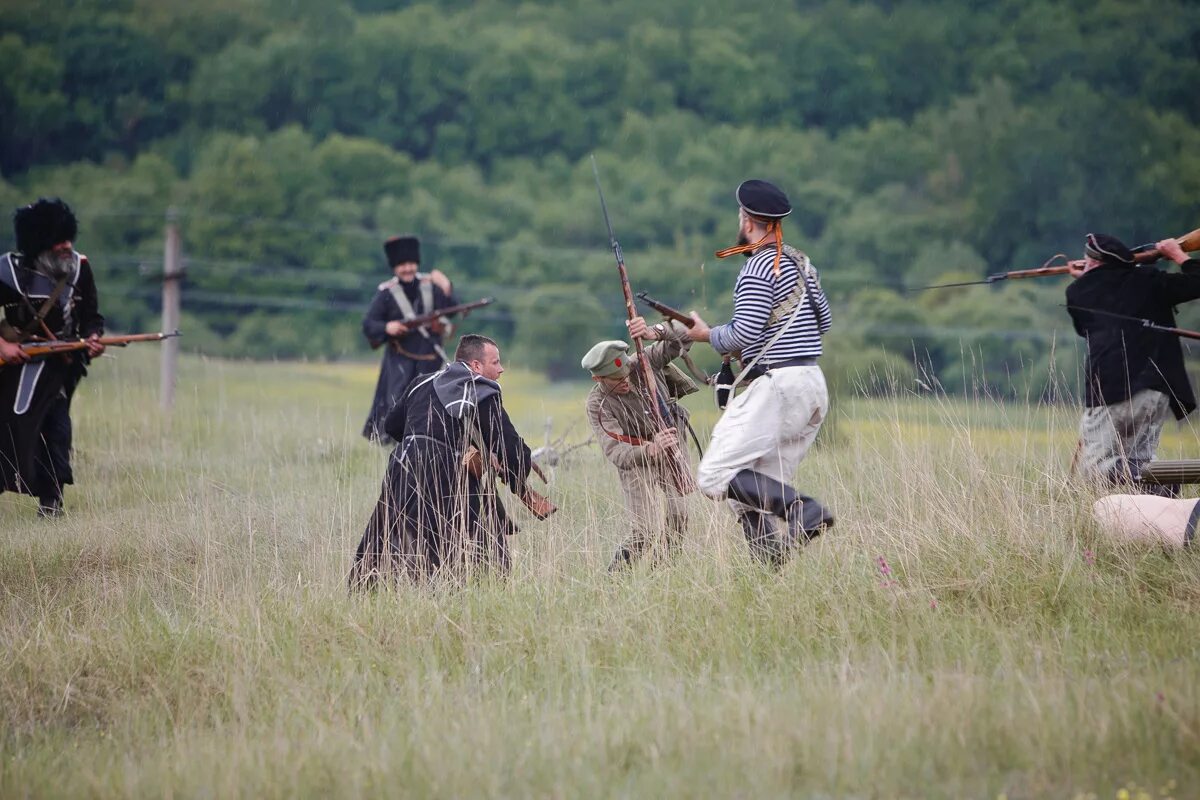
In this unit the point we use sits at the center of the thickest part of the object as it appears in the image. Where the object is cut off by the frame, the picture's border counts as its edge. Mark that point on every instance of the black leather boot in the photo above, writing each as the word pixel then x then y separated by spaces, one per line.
pixel 762 538
pixel 815 518
pixel 621 560
pixel 627 554
pixel 806 518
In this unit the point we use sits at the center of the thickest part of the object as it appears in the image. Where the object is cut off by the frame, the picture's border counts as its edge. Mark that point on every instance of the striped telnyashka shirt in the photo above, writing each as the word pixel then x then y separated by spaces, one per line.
pixel 758 292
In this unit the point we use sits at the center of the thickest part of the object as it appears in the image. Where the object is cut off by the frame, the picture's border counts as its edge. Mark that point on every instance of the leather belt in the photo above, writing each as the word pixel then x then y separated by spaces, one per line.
pixel 762 368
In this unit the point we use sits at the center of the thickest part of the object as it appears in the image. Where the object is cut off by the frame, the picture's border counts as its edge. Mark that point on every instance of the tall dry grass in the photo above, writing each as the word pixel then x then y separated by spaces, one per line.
pixel 962 632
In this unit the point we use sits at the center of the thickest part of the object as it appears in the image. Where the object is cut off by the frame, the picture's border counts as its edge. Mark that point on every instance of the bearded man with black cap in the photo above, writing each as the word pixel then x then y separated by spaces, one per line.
pixel 410 351
pixel 48 292
pixel 779 315
pixel 1134 377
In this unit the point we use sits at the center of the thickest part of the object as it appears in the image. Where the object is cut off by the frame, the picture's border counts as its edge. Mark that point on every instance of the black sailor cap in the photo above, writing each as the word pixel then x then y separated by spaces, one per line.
pixel 1108 249
pixel 763 199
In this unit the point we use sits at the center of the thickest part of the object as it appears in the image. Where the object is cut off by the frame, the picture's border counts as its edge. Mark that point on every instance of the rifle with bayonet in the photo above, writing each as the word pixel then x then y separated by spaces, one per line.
pixel 1145 254
pixel 49 347
pixel 681 476
pixel 423 320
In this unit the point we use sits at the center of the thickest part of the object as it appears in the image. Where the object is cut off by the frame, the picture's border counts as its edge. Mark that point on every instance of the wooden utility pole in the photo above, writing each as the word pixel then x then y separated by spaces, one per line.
pixel 172 276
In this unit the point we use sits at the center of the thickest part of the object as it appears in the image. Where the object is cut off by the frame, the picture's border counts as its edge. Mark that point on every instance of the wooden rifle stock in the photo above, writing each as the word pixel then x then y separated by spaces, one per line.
pixel 52 346
pixel 666 310
pixel 538 504
pixel 681 476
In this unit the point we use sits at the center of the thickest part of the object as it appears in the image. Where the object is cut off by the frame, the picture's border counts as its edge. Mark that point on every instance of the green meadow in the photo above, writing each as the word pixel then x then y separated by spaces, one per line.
pixel 962 632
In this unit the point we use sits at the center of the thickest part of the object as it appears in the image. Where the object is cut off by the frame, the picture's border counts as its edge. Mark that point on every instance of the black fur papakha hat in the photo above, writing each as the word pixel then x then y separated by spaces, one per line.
pixel 1108 249
pixel 43 224
pixel 402 249
pixel 763 199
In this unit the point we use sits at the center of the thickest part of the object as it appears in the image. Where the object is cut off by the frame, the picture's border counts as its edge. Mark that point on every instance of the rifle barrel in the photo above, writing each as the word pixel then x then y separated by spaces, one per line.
pixel 1145 323
pixel 990 279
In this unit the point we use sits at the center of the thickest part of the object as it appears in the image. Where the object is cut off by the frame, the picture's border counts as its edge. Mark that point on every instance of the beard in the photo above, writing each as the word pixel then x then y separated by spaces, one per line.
pixel 55 265
pixel 742 239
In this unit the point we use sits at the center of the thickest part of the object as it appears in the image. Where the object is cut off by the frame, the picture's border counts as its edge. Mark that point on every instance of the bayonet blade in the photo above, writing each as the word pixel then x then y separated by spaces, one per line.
pixel 612 237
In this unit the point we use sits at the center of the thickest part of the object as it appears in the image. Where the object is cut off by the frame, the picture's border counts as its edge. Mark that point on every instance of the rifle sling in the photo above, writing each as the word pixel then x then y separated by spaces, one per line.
pixel 697 373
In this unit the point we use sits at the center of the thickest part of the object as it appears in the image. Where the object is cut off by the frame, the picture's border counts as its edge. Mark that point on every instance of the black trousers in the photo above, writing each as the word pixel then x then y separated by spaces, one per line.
pixel 53 463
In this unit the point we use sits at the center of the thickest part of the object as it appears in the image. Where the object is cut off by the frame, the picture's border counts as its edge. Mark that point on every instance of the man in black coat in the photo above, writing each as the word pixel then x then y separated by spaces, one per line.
pixel 1134 377
pixel 409 352
pixel 438 513
pixel 48 292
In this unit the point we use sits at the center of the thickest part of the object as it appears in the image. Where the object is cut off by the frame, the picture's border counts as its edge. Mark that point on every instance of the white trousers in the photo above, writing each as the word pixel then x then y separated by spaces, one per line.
pixel 768 428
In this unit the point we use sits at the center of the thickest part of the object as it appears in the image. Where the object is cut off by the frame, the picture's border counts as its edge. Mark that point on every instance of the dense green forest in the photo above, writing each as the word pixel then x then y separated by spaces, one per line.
pixel 919 141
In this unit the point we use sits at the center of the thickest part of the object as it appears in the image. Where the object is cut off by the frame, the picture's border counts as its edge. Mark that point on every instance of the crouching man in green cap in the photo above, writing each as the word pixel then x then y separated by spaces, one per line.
pixel 624 426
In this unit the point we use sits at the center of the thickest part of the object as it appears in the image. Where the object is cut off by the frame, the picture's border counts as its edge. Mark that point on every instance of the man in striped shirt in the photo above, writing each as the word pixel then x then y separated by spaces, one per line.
pixel 779 315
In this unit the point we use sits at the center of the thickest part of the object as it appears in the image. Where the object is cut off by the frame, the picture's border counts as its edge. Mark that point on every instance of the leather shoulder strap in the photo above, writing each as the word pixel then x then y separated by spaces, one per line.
pixel 406 307
pixel 39 315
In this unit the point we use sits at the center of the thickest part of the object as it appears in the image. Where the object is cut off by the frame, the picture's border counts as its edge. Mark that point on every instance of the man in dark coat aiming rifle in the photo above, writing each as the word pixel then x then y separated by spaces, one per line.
pixel 411 350
pixel 438 513
pixel 48 292
pixel 1134 378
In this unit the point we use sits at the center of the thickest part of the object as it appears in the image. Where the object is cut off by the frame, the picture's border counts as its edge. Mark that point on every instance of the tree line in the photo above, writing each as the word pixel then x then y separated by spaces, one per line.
pixel 920 141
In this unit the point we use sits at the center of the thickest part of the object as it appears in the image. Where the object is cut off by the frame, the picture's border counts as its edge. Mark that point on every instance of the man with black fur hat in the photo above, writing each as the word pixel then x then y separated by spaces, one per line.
pixel 48 292
pixel 1134 377
pixel 779 316
pixel 409 352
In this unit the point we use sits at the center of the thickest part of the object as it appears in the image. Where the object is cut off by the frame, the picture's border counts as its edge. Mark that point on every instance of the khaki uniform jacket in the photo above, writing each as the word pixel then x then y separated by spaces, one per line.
pixel 622 424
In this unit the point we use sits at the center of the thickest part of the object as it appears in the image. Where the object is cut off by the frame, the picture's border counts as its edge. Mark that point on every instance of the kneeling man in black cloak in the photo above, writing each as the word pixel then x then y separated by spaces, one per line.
pixel 438 512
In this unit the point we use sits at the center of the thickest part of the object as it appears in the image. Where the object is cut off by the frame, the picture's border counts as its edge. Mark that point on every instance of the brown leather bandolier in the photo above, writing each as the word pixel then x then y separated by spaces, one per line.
pixel 39 314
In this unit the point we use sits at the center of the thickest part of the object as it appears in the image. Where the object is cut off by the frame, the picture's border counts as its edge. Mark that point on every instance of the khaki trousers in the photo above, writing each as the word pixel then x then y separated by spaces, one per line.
pixel 642 488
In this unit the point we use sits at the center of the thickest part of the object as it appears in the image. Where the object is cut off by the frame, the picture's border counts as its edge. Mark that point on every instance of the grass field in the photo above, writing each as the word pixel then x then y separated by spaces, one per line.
pixel 962 632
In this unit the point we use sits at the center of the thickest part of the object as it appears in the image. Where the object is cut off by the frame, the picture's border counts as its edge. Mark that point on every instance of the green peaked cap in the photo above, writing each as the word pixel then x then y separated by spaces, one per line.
pixel 608 360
